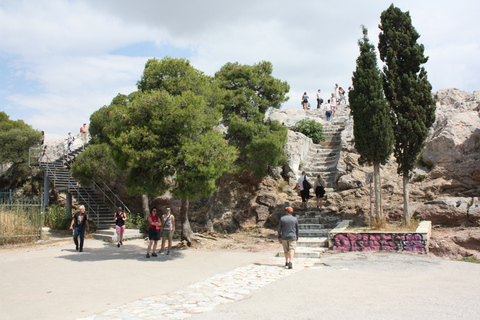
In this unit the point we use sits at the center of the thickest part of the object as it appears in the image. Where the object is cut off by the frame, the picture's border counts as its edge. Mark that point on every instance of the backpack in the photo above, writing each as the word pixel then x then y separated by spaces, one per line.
pixel 306 185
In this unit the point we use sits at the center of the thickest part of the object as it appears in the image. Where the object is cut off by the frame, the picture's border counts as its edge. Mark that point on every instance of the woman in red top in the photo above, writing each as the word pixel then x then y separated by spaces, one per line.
pixel 154 227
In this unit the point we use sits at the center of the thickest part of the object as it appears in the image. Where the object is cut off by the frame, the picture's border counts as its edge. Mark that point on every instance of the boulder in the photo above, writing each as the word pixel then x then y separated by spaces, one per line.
pixel 449 211
pixel 454 139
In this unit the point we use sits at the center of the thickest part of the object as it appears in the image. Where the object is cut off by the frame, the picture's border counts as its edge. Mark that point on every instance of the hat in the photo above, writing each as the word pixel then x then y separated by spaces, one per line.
pixel 119 208
pixel 289 209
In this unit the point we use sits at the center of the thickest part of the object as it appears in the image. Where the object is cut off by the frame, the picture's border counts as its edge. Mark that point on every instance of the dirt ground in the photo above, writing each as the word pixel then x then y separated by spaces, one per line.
pixel 448 243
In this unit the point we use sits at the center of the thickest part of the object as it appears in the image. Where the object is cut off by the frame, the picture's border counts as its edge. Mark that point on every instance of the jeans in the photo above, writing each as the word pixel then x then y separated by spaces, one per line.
pixel 329 115
pixel 79 231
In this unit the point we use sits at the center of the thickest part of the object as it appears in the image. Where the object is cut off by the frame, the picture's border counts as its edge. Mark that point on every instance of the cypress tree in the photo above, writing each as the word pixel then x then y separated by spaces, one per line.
pixel 407 90
pixel 372 127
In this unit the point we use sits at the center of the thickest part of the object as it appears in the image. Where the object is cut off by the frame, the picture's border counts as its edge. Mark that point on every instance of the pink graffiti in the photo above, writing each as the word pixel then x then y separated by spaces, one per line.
pixel 379 242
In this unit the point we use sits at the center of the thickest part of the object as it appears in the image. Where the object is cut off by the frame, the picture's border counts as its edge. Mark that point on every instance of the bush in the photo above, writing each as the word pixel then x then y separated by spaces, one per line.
pixel 56 218
pixel 13 224
pixel 311 129
pixel 136 221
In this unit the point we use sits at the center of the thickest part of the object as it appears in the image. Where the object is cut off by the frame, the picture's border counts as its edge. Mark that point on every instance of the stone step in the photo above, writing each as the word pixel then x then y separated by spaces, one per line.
pixel 312 242
pixel 310 226
pixel 305 253
pixel 313 233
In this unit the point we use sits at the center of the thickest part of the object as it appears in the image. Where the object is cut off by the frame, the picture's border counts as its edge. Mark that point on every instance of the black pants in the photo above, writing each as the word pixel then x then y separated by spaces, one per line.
pixel 318 103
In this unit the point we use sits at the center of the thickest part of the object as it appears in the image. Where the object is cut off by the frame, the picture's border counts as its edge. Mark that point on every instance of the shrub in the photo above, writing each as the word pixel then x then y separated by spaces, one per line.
pixel 56 218
pixel 136 221
pixel 311 129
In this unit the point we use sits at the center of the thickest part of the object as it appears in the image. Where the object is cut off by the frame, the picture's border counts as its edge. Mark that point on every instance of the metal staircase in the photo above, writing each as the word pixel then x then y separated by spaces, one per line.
pixel 55 162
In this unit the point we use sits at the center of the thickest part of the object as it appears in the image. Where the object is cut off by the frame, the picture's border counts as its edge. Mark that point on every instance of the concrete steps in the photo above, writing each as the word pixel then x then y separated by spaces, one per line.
pixel 314 226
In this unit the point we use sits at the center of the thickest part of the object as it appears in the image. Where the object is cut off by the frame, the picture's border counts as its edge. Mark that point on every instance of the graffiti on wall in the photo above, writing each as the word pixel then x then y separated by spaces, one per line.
pixel 413 242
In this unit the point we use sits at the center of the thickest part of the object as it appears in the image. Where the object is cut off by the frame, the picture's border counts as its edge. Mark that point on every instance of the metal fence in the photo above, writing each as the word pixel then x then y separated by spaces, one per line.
pixel 20 217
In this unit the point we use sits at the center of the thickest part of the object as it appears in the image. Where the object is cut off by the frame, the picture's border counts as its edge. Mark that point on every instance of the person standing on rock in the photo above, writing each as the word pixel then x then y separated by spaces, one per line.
pixel 319 100
pixel 120 218
pixel 167 231
pixel 288 236
pixel 154 227
pixel 80 220
pixel 333 104
pixel 304 186
pixel 83 134
pixel 319 187
pixel 305 101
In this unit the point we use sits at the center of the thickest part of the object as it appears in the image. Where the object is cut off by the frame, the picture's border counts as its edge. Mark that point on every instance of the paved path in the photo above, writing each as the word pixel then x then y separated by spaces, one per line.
pixel 106 282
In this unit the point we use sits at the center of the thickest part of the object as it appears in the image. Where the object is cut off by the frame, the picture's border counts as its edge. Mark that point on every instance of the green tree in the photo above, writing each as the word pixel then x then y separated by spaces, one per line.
pixel 407 90
pixel 95 164
pixel 311 128
pixel 372 126
pixel 167 133
pixel 251 92
pixel 16 138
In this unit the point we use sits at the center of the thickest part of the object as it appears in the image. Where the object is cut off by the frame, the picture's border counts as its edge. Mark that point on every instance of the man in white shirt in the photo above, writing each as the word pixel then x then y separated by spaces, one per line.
pixel 319 100
pixel 304 192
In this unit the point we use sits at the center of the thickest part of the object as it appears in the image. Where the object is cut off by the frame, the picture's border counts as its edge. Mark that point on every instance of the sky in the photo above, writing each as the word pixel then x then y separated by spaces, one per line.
pixel 61 60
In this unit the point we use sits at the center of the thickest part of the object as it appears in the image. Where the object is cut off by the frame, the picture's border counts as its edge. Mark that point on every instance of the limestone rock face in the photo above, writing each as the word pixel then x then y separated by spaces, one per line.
pixel 455 139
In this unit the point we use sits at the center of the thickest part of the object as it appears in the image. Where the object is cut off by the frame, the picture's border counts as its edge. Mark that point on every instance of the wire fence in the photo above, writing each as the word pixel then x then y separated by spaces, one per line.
pixel 21 218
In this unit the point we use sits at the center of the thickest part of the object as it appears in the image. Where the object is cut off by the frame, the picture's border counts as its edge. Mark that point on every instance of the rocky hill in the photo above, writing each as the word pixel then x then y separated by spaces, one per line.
pixel 445 187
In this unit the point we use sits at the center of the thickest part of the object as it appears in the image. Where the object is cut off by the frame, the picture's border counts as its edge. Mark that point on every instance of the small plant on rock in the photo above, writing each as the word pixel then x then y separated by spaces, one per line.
pixel 311 129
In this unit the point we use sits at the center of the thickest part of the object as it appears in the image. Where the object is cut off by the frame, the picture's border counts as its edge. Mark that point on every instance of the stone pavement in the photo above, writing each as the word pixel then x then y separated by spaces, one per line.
pixel 205 295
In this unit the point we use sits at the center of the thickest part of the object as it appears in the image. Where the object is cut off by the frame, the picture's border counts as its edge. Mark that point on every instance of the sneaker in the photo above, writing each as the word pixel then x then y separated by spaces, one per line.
pixel 154 255
pixel 148 255
pixel 286 264
pixel 118 244
pixel 81 250
pixel 290 266
pixel 121 242
pixel 168 252
pixel 161 252
pixel 76 248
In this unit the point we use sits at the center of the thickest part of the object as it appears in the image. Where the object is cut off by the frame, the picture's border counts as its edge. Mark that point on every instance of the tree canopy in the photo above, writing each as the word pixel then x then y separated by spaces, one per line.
pixel 16 138
pixel 372 125
pixel 407 90
pixel 251 91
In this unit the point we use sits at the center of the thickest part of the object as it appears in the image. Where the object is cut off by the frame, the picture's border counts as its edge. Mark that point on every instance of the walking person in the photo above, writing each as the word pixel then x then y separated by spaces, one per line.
pixel 319 187
pixel 154 227
pixel 304 186
pixel 328 110
pixel 119 219
pixel 288 236
pixel 305 101
pixel 80 221
pixel 70 139
pixel 168 230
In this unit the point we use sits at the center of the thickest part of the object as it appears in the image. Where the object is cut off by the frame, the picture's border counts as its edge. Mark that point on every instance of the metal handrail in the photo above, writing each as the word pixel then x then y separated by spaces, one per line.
pixel 113 202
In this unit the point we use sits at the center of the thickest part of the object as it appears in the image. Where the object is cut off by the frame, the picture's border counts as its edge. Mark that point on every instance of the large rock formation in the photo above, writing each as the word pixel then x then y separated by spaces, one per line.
pixel 445 187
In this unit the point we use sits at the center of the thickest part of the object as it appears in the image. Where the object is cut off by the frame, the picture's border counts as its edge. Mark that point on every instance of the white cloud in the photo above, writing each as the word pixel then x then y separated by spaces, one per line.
pixel 63 48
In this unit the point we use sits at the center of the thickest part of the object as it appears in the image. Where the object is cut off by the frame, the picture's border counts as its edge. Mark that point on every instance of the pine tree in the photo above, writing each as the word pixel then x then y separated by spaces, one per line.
pixel 407 89
pixel 372 128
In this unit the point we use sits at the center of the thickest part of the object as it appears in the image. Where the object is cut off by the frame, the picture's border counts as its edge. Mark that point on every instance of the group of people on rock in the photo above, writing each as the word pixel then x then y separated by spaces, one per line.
pixel 338 97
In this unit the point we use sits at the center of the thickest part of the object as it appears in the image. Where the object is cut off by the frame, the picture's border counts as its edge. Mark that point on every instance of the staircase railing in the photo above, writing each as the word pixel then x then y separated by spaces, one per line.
pixel 105 196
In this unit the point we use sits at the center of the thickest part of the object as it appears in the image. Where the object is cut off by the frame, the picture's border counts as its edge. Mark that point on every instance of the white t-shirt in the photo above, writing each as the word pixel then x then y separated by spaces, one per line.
pixel 300 181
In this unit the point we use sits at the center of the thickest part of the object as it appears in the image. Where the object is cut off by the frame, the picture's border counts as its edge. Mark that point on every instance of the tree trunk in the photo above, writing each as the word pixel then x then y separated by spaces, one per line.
pixel 187 233
pixel 378 192
pixel 145 208
pixel 406 212
pixel 209 213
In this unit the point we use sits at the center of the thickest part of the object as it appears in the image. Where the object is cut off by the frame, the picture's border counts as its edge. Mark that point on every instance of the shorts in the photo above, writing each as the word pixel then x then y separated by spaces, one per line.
pixel 167 233
pixel 153 234
pixel 120 229
pixel 289 245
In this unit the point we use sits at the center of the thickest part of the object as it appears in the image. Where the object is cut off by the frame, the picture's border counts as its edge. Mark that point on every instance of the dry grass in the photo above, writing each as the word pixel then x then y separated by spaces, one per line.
pixel 16 228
